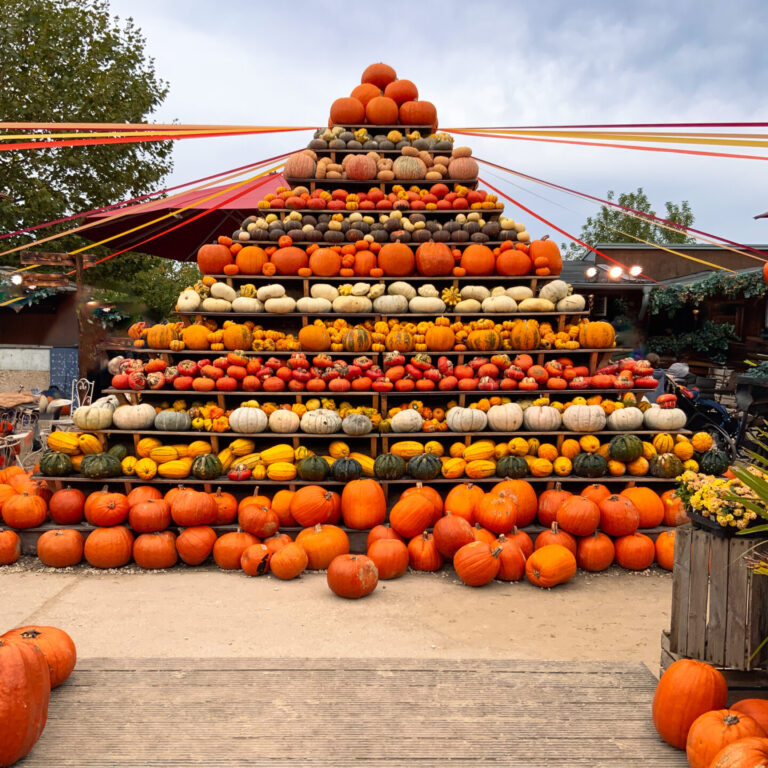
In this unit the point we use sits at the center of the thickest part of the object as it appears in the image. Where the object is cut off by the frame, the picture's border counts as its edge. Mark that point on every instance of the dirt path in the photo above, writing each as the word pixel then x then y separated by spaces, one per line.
pixel 615 615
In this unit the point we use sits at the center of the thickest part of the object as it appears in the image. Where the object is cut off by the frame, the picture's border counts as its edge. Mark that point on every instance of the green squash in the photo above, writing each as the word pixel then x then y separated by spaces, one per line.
pixel 589 465
pixel 207 467
pixel 512 466
pixel 173 421
pixel 626 448
pixel 98 465
pixel 714 462
pixel 346 469
pixel 425 466
pixel 314 468
pixel 388 466
pixel 55 464
pixel 666 465
pixel 119 450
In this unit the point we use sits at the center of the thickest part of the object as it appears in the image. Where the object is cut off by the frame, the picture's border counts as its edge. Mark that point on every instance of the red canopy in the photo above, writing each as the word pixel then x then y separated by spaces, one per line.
pixel 182 244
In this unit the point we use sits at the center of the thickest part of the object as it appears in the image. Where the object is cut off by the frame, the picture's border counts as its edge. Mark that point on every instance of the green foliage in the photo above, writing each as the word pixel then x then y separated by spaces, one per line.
pixel 610 224
pixel 71 61
pixel 710 340
pixel 671 299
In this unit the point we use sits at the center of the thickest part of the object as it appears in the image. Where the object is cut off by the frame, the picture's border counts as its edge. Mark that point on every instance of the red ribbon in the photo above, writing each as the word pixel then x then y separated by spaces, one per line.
pixel 561 231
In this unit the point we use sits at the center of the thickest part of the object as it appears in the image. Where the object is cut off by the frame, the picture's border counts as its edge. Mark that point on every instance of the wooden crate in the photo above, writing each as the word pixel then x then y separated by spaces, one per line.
pixel 719 607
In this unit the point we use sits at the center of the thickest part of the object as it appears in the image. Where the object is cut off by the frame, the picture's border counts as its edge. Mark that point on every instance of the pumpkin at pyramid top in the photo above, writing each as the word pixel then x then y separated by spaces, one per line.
pixel 382 99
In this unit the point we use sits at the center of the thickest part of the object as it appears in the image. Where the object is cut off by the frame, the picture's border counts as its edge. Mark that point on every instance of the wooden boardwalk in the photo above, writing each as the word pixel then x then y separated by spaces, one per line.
pixel 369 713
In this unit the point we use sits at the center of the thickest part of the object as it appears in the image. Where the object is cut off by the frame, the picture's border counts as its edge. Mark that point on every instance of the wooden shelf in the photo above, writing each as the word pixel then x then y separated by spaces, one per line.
pixel 412 243
pixel 375 130
pixel 485 212
pixel 239 393
pixel 470 280
pixel 536 393
pixel 304 182
pixel 278 484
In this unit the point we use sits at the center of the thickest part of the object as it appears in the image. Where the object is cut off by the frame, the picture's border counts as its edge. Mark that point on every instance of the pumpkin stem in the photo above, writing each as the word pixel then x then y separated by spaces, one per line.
pixel 555 527
pixel 31 634
pixel 425 535
pixel 502 538
pixel 544 237
pixel 318 528
pixel 731 719
pixel 496 552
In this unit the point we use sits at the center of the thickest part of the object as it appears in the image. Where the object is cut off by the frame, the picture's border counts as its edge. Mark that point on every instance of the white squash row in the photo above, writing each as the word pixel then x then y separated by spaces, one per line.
pixel 396 298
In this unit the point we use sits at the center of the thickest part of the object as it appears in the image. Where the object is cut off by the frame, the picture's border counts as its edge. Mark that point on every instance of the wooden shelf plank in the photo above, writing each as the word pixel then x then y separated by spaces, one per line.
pixel 501 316
pixel 516 280
pixel 303 182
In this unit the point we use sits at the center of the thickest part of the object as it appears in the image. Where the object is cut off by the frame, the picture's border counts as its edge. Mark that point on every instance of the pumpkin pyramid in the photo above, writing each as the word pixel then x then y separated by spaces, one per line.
pixel 380 192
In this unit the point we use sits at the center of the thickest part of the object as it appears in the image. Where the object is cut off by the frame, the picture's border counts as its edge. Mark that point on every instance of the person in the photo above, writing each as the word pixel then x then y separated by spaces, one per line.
pixel 658 374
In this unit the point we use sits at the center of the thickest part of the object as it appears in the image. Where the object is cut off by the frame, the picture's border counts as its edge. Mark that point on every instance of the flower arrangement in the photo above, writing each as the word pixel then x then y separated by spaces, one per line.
pixel 729 502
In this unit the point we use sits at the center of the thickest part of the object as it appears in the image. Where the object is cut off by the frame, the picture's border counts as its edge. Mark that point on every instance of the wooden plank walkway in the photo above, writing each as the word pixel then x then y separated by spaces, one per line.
pixel 370 713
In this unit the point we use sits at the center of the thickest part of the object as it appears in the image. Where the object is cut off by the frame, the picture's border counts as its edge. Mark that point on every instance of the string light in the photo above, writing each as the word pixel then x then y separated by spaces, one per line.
pixel 615 273
pixel 636 270
pixel 16 279
pixel 591 272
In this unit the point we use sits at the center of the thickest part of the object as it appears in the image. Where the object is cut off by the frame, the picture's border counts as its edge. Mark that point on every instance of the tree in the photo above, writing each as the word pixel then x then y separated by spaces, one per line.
pixel 612 225
pixel 71 61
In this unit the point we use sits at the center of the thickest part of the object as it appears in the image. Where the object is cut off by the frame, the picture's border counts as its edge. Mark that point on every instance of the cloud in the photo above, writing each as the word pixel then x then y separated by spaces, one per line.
pixel 489 62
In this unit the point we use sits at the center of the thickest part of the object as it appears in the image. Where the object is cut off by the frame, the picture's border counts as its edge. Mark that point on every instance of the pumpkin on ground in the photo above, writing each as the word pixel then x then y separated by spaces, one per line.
pixel 477 563
pixel 390 556
pixel 550 565
pixel 751 752
pixel 10 547
pixel 352 576
pixel 60 548
pixel 757 709
pixel 687 689
pixel 323 543
pixel 711 732
pixel 54 643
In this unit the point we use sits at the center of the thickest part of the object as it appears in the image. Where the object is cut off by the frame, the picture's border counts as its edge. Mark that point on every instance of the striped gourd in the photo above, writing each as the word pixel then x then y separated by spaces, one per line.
pixel 64 442
pixel 89 443
pixel 366 462
pixel 164 453
pixel 407 449
pixel 182 449
pixel 338 448
pixel 259 472
pixel 242 446
pixel 281 470
pixel 146 445
pixel 199 448
pixel 433 446
pixel 146 469
pixel 227 459
pixel 453 468
pixel 282 452
pixel 128 465
pixel 481 450
pixel 76 460
pixel 648 450
pixel 480 468
pixel 177 468
pixel 250 461
pixel 663 443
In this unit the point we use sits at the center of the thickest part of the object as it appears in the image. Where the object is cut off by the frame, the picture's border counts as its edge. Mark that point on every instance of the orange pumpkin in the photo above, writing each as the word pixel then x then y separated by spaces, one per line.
pixel 347 111
pixel 288 261
pixel 674 509
pixel 251 260
pixel 212 258
pixel 401 91
pixel 365 92
pixel 418 113
pixel 478 259
pixel 396 259
pixel 513 262
pixel 545 254
pixel 379 74
pixel 325 262
pixel 381 110
pixel 434 259
pixel 648 503
pixel 365 261
pixel 713 731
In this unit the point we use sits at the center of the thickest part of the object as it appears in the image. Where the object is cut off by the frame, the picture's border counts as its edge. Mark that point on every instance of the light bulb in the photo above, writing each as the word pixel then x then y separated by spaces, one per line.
pixel 590 272
pixel 615 273
pixel 636 270
pixel 16 279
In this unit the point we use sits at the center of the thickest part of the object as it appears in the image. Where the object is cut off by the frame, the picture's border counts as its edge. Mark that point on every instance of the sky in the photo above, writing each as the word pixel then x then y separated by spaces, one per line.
pixel 484 63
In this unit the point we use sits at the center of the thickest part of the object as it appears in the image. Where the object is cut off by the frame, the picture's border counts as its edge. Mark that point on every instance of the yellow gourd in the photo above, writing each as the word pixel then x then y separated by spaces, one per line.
pixel 163 454
pixel 648 451
pixel 199 448
pixel 589 444
pixel 338 448
pixel 691 465
pixel 518 446
pixel 480 451
pixel 453 468
pixel 547 451
pixel 64 442
pixel 77 460
pixel 89 443
pixel 702 441
pixel 533 446
pixel 282 453
pixel 242 446
pixel 182 449
pixel 227 459
pixel 407 449
pixel 540 467
pixel 683 451
pixel 128 465
pixel 456 451
pixel 250 461
pixel 145 446
pixel 366 462
pixel 176 468
pixel 146 469
pixel 664 442
pixel 433 446
pixel 259 472
pixel 604 451
pixel 502 449
pixel 562 466
pixel 281 470
pixel 616 468
pixel 638 467
pixel 479 468
pixel 570 448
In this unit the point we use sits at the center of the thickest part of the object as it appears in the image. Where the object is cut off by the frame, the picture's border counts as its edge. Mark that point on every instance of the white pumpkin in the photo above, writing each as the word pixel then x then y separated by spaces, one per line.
pixel 401 288
pixel 134 417
pixel 313 306
pixel 248 420
pixel 468 307
pixel 323 291
pixel 321 421
pixel 377 289
pixel 426 305
pixel 113 366
pixel 541 418
pixel 408 420
pixel 665 419
pixel 429 291
pixel 352 304
pixel 389 305
pixel 356 424
pixel 554 291
pixel 477 292
pixel 223 291
pixel 361 289
pixel 625 420
pixel 505 418
pixel 535 305
pixel 584 418
pixel 499 304
pixel 272 291
pixel 280 306
pixel 188 301
pixel 465 419
pixel 283 421
pixel 247 304
pixel 520 292
pixel 216 305
pixel 499 290
pixel 93 416
pixel 573 303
